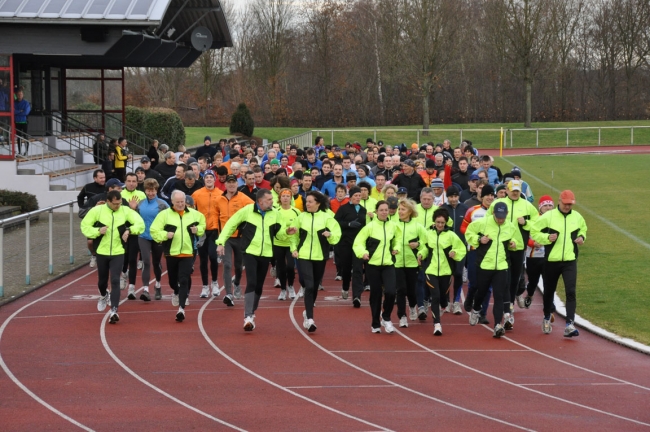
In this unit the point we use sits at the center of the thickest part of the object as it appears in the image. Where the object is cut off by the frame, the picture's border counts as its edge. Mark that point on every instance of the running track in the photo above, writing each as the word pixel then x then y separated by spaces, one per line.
pixel 65 368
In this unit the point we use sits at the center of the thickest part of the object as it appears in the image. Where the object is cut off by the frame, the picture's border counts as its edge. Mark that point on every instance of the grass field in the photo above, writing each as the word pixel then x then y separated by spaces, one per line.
pixel 613 272
pixel 483 139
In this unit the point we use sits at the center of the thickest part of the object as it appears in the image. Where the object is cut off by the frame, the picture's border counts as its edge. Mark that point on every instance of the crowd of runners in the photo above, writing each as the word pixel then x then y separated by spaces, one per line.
pixel 412 225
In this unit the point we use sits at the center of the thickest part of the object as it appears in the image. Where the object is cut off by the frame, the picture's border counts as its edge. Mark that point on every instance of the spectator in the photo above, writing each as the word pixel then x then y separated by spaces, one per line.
pixel 207 149
pixel 167 169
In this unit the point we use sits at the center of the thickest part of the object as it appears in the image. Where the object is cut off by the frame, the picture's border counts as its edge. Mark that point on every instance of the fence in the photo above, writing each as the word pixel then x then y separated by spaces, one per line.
pixel 26 217
pixel 484 138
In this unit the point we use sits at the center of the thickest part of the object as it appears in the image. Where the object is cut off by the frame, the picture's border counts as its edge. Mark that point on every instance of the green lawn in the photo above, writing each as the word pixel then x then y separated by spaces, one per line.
pixel 613 268
pixel 483 139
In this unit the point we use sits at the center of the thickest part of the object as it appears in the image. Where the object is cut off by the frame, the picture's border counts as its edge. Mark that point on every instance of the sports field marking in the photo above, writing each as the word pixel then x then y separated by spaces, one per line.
pixel 110 352
pixel 588 210
pixel 13 378
pixel 340 386
pixel 504 381
pixel 424 352
pixel 380 378
pixel 268 381
pixel 574 384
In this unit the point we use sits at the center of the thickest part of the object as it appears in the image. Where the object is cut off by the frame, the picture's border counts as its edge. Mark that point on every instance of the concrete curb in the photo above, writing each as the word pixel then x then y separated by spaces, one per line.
pixel 587 325
pixel 41 285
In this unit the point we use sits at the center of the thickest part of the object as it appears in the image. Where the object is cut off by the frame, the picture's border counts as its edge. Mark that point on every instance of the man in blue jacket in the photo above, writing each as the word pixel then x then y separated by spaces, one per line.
pixel 21 111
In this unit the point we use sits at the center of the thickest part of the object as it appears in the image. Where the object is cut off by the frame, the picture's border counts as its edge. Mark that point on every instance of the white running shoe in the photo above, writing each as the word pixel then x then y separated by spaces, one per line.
pixel 546 326
pixel 113 317
pixel 498 331
pixel 442 310
pixel 283 295
pixel 180 315
pixel 571 331
pixel 228 300
pixel 187 301
pixel 93 261
pixel 388 326
pixel 413 313
pixel 338 278
pixel 274 273
pixel 157 285
pixel 175 300
pixel 321 288
pixel 291 292
pixel 249 323
pixel 473 317
pixel 124 279
pixel 456 309
pixel 366 288
pixel 277 283
pixel 205 292
pixel 305 320
pixel 447 309
pixel 403 322
pixel 521 301
pixel 131 295
pixel 344 294
pixel 140 264
pixel 103 301
pixel 237 292
pixel 375 329
pixel 422 313
pixel 437 329
pixel 215 289
pixel 311 326
pixel 301 292
pixel 508 321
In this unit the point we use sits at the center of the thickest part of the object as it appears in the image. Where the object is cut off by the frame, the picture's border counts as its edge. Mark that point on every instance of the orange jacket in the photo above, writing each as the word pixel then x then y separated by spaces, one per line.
pixel 228 207
pixel 206 203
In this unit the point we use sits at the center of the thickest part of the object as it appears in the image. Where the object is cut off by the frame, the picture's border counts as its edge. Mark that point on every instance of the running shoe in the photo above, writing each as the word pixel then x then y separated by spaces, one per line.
pixel 93 261
pixel 413 313
pixel 467 304
pixel 274 273
pixel 175 300
pixel 321 288
pixel 437 329
pixel 145 296
pixel 388 326
pixel 552 317
pixel 291 292
pixel 507 321
pixel 528 301
pixel 187 300
pixel 483 320
pixel 403 322
pixel 205 292
pixel 498 331
pixel 215 289
pixel 140 265
pixel 447 309
pixel 114 317
pixel 180 315
pixel 521 302
pixel 366 288
pixel 473 317
pixel 456 309
pixel 356 302
pixel 375 329
pixel 283 295
pixel 131 295
pixel 158 295
pixel 546 326
pixel 228 300
pixel 305 320
pixel 570 330
pixel 249 323
pixel 124 279
pixel 311 326
pixel 422 313
pixel 103 301
pixel 277 283
pixel 301 292
pixel 338 278
pixel 344 294
pixel 237 292
pixel 442 310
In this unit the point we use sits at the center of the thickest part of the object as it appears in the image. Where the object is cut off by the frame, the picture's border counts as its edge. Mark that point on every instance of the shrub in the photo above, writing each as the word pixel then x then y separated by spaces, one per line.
pixel 27 202
pixel 242 121
pixel 163 124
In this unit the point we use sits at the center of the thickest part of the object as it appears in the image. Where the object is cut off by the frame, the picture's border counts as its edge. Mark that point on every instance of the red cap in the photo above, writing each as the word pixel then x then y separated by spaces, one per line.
pixel 545 200
pixel 567 197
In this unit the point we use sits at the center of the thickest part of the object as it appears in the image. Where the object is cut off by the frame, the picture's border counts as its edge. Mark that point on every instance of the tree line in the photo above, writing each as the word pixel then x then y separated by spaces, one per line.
pixel 338 63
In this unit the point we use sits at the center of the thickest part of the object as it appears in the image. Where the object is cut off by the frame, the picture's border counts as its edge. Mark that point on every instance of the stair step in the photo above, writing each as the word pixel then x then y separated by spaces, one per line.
pixel 26 171
pixel 58 188
pixel 76 169
pixel 44 156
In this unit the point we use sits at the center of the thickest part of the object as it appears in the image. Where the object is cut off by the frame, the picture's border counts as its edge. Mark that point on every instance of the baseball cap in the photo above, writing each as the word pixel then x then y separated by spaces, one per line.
pixel 231 177
pixel 393 202
pixel 139 169
pixel 514 185
pixel 567 197
pixel 144 159
pixel 516 172
pixel 473 177
pixel 545 200
pixel 437 183
pixel 500 210
pixel 114 182
pixel 402 190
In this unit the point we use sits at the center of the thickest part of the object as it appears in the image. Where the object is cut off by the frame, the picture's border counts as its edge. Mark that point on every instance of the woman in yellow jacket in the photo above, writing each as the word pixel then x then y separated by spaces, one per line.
pixel 412 245
pixel 317 230
pixel 376 244
pixel 446 247
pixel 284 261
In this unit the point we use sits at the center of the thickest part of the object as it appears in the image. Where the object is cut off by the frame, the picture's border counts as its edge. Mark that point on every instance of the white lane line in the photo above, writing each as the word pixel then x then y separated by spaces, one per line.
pixel 13 378
pixel 424 352
pixel 340 386
pixel 588 210
pixel 147 383
pixel 387 381
pixel 573 384
pixel 268 381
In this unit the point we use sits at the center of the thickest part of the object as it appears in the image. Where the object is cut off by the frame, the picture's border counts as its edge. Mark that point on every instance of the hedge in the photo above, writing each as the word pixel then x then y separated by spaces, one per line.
pixel 163 124
pixel 242 121
pixel 27 202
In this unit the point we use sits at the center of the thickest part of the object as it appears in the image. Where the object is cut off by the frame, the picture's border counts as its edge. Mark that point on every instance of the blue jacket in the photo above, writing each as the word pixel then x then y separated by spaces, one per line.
pixel 148 210
pixel 21 111
pixel 493 177
pixel 329 188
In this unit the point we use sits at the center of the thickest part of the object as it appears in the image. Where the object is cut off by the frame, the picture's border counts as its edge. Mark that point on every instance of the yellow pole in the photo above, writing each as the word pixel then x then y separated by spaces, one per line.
pixel 501 144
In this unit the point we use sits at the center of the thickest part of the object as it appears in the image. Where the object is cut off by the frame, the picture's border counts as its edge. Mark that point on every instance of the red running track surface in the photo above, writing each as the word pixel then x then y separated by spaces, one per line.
pixel 64 368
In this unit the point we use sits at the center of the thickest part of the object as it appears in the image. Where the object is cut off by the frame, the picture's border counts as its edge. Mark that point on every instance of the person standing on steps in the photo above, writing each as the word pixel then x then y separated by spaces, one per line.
pixel 316 230
pixel 560 231
pixel 110 225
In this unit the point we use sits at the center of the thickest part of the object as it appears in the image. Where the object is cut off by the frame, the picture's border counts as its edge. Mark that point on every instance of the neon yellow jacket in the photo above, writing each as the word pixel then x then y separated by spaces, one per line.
pixel 377 239
pixel 568 227
pixel 288 217
pixel 110 244
pixel 183 242
pixel 517 209
pixel 135 193
pixel 491 256
pixel 258 233
pixel 309 241
pixel 441 244
pixel 408 232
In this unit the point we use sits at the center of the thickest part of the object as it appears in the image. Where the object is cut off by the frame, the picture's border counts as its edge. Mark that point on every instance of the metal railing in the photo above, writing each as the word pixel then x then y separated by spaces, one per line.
pixel 301 140
pixel 26 217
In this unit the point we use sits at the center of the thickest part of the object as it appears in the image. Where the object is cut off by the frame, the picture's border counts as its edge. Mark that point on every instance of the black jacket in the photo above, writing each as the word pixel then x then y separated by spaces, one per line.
pixel 88 192
pixel 252 194
pixel 205 151
pixel 462 179
pixel 153 155
pixel 346 214
pixel 166 171
pixel 457 215
pixel 413 183
pixel 153 174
